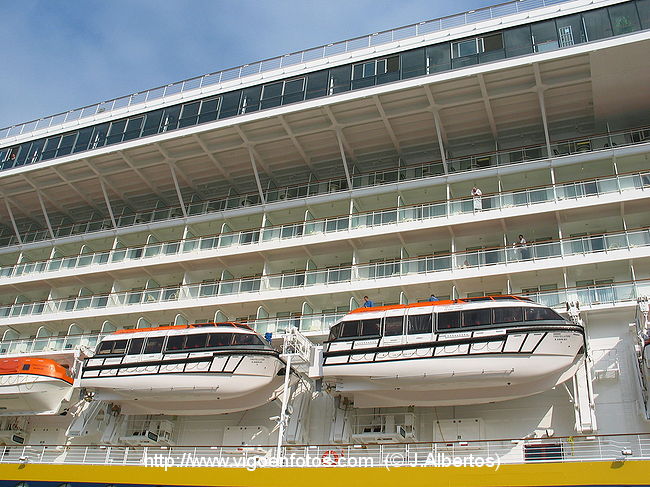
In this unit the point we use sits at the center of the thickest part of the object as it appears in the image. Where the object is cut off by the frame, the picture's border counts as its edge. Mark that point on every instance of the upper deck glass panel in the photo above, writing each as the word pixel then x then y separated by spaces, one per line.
pixel 201 83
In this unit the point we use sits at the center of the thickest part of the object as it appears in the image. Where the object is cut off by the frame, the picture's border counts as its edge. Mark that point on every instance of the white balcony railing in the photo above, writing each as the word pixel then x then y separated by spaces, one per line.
pixel 422 212
pixel 377 178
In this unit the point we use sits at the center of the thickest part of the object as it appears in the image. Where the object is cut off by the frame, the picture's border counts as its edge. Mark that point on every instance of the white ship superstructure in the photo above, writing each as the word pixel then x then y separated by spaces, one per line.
pixel 483 179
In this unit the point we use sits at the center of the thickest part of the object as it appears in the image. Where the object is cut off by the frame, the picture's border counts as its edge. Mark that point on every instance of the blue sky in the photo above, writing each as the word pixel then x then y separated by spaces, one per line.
pixel 62 54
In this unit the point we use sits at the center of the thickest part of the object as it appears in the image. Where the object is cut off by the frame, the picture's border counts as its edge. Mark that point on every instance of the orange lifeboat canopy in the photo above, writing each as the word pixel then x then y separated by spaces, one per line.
pixel 34 366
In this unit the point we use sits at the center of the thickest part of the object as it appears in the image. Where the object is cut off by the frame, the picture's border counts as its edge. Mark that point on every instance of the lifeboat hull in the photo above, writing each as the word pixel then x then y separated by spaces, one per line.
pixel 206 387
pixel 25 394
pixel 436 374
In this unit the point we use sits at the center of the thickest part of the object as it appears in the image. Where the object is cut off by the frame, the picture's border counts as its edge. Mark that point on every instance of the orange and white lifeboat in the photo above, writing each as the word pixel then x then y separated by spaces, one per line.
pixel 184 369
pixel 30 385
pixel 466 351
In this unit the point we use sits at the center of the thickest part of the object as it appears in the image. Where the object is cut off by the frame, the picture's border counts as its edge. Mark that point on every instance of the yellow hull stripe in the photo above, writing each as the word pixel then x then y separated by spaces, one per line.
pixel 547 474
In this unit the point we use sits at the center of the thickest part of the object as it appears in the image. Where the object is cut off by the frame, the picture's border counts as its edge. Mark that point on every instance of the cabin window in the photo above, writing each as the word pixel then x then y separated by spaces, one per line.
pixel 419 324
pixel 154 345
pixel 393 325
pixel 219 339
pixel 26 366
pixel 175 343
pixel 247 339
pixel 196 341
pixel 350 329
pixel 370 327
pixel 538 314
pixel 476 317
pixel 135 347
pixel 507 315
pixel 449 320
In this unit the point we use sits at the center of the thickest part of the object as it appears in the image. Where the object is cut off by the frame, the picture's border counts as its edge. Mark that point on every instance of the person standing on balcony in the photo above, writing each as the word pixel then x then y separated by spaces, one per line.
pixel 524 250
pixel 477 198
pixel 367 303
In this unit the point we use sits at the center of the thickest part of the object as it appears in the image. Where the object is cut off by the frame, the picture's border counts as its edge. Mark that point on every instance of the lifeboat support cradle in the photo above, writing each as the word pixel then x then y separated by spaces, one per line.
pixel 583 393
pixel 296 352
pixel 641 359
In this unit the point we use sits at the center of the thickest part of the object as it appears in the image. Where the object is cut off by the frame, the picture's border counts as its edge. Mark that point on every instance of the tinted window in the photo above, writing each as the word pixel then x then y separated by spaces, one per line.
pixel 135 347
pixel 508 315
pixel 535 314
pixel 370 327
pixel 643 6
pixel 438 58
pixel 316 85
pixel 597 24
pixel 624 18
pixel 476 317
pixel 335 332
pixel 449 320
pixel 154 345
pixel 350 329
pixel 247 339
pixel 393 325
pixel 219 339
pixel 196 341
pixel 105 347
pixel 175 343
pixel 419 324
pixel 518 41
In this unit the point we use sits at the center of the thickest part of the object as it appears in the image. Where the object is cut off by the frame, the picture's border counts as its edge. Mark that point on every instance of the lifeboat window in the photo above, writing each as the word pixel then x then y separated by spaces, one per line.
pixel 175 342
pixel 26 366
pixel 536 314
pixel 154 345
pixel 350 329
pixel 135 347
pixel 507 315
pixel 370 327
pixel 335 332
pixel 120 346
pixel 105 347
pixel 476 317
pixel 449 320
pixel 419 324
pixel 247 339
pixel 112 346
pixel 219 339
pixel 196 341
pixel 393 325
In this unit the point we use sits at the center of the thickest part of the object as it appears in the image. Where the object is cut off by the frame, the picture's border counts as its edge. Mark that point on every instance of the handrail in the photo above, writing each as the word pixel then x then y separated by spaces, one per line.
pixel 299 57
pixel 339 184
pixel 614 447
pixel 616 292
pixel 585 245
pixel 436 209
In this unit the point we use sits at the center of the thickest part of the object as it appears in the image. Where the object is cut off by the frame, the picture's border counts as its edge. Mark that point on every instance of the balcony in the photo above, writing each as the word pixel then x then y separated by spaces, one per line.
pixel 206 245
pixel 404 272
pixel 174 215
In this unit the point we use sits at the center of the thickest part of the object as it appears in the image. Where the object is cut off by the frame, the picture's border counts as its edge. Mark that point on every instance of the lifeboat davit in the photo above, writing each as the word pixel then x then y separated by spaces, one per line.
pixel 30 385
pixel 184 370
pixel 443 353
